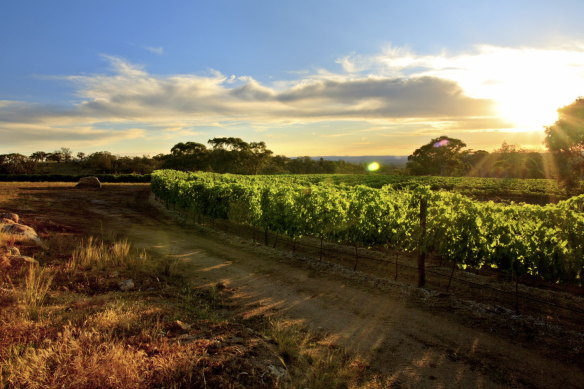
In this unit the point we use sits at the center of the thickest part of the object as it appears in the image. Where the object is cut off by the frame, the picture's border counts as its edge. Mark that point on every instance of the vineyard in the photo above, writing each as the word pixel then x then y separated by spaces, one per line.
pixel 544 241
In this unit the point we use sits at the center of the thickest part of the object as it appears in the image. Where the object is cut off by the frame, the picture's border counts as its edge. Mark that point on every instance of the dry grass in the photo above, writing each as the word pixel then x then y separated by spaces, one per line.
pixel 66 324
pixel 76 359
pixel 114 339
pixel 96 254
pixel 132 340
pixel 37 283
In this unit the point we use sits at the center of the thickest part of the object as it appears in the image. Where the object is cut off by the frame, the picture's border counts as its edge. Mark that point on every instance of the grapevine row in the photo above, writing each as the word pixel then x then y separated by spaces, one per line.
pixel 547 241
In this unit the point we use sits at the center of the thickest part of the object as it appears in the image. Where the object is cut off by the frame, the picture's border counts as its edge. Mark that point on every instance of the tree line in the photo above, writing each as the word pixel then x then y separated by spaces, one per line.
pixel 442 156
pixel 445 156
pixel 224 155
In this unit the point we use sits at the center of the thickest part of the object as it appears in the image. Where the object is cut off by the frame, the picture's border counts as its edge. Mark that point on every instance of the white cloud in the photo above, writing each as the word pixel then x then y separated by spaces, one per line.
pixel 132 94
pixel 155 50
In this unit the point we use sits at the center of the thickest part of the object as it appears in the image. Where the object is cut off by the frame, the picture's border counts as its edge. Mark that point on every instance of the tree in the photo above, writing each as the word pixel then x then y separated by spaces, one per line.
pixel 258 157
pixel 442 156
pixel 101 162
pixel 234 155
pixel 565 140
pixel 188 148
pixel 16 164
pixel 515 161
pixel 39 156
pixel 56 156
pixel 67 154
pixel 186 156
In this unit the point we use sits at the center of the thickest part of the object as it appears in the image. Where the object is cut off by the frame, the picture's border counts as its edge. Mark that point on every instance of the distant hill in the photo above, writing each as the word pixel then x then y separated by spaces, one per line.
pixel 384 160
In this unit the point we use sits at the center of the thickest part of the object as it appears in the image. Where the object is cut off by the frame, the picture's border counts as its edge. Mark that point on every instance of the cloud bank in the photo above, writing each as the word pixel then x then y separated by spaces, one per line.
pixel 395 92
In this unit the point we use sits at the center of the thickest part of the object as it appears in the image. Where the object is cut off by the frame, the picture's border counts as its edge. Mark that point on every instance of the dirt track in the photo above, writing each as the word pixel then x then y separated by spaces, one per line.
pixel 411 345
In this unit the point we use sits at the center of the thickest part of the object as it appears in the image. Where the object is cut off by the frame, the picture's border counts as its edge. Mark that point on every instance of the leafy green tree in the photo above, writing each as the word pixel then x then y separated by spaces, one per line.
pixel 188 148
pixel 101 162
pixel 190 156
pixel 443 156
pixel 565 140
pixel 234 155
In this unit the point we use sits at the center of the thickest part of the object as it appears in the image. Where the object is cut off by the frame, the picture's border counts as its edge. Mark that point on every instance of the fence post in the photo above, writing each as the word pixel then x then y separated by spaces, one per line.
pixel 421 248
pixel 516 294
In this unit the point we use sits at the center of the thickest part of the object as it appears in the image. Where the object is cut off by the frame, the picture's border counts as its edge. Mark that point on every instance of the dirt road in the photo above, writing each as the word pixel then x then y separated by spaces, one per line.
pixel 410 344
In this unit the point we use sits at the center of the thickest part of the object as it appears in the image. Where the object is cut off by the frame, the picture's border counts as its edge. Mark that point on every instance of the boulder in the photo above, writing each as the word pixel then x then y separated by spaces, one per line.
pixel 10 216
pixel 21 233
pixel 89 182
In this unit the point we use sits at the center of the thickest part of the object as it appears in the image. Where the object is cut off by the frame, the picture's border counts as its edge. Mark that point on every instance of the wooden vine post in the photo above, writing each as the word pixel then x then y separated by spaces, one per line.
pixel 421 243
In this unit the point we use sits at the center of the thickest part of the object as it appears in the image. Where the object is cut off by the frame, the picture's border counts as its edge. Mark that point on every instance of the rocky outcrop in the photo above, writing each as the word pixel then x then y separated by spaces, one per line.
pixel 21 233
pixel 11 231
pixel 89 182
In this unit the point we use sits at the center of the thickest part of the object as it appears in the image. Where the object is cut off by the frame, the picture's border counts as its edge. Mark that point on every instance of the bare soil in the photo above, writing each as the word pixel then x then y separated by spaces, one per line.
pixel 412 338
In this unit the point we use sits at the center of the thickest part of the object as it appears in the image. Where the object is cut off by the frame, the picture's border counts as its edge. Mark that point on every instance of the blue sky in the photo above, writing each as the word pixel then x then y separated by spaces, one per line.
pixel 307 77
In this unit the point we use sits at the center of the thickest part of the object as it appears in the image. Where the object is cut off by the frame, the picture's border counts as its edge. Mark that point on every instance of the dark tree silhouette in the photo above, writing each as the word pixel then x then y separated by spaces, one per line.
pixel 565 140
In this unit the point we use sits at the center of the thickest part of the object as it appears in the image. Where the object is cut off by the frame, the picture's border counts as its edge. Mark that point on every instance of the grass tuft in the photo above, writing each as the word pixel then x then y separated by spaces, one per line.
pixel 36 286
pixel 95 254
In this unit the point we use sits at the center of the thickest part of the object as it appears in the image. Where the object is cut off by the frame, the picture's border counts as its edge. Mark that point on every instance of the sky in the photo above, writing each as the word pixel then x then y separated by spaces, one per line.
pixel 314 77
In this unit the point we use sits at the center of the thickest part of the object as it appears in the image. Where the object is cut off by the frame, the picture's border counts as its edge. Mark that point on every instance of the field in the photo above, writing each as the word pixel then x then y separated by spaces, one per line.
pixel 216 309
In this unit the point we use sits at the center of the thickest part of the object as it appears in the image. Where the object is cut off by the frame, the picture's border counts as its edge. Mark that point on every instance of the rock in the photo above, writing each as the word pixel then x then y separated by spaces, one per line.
pixel 6 221
pixel 10 216
pixel 126 285
pixel 278 372
pixel 9 251
pixel 89 182
pixel 183 326
pixel 21 233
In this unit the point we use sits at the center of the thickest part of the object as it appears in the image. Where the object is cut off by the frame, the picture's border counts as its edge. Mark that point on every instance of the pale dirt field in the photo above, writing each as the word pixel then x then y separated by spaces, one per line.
pixel 410 344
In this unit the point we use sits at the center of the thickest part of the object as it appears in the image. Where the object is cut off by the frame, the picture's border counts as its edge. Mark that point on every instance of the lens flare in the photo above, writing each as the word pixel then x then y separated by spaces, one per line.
pixel 373 167
pixel 440 143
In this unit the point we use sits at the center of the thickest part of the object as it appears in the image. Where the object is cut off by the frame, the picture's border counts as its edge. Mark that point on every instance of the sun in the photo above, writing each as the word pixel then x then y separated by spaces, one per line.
pixel 528 113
